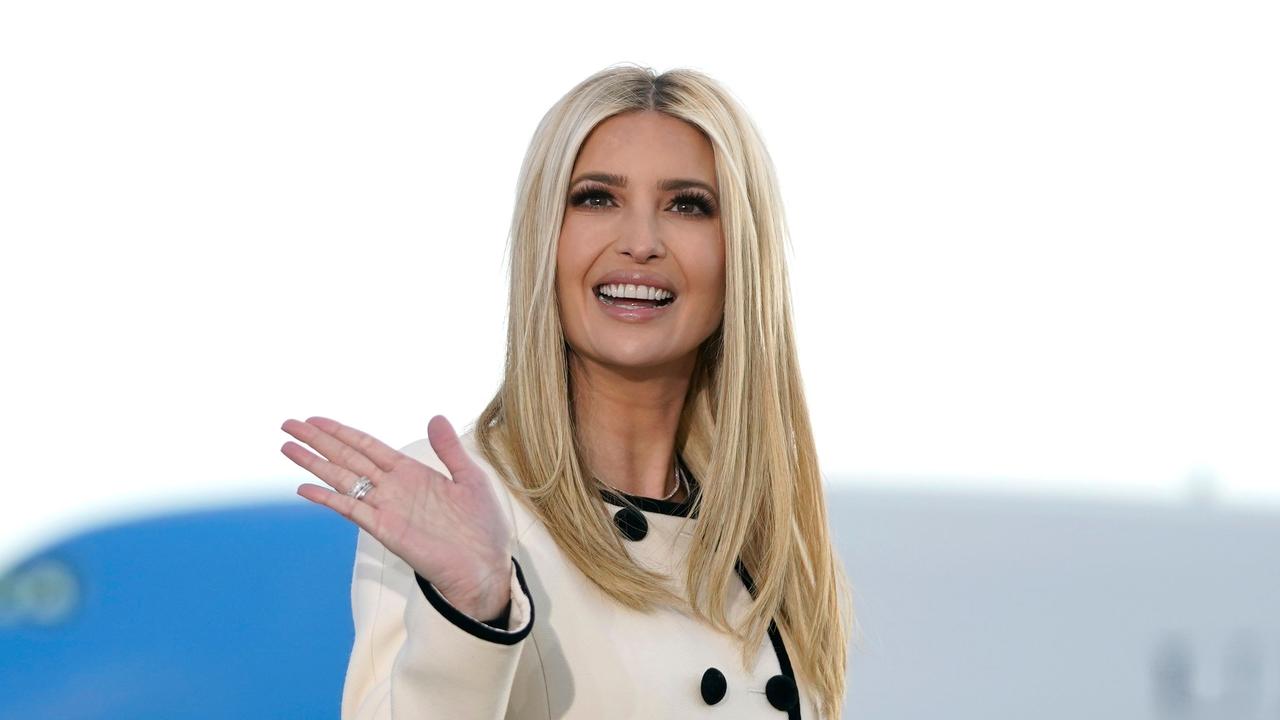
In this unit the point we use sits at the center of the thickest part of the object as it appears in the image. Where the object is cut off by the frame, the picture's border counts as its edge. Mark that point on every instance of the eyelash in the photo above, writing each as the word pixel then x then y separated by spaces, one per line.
pixel 697 198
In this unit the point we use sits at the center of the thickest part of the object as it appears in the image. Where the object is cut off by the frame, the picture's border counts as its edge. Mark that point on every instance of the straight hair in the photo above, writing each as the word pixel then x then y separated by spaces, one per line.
pixel 744 430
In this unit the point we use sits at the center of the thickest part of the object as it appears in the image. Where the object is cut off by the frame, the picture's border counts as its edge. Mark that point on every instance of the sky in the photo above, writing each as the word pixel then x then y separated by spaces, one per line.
pixel 1033 247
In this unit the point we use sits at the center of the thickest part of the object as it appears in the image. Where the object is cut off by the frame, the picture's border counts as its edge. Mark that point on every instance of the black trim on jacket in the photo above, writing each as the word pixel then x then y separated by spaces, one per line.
pixel 775 638
pixel 502 636
pixel 682 508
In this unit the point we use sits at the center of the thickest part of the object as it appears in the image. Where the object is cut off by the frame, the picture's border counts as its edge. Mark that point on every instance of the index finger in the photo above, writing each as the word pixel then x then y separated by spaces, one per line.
pixel 382 455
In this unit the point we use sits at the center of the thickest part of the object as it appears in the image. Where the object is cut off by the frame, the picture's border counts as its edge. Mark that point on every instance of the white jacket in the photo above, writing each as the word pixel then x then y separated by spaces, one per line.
pixel 571 652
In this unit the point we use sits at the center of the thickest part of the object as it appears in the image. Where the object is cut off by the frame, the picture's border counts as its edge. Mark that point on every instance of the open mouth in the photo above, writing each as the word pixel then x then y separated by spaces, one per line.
pixel 633 297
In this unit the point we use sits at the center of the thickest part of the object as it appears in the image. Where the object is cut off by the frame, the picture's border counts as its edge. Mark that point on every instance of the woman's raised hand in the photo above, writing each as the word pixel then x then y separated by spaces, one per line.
pixel 452 531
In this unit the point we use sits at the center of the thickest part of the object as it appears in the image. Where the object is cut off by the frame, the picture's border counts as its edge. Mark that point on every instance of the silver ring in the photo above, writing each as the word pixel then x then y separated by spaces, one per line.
pixel 361 488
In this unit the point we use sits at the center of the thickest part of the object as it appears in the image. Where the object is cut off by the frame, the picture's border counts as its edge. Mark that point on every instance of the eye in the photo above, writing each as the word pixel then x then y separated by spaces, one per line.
pixel 689 202
pixel 587 197
pixel 700 201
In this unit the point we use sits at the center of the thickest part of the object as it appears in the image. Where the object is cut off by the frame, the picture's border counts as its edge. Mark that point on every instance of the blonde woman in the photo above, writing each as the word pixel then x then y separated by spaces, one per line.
pixel 635 525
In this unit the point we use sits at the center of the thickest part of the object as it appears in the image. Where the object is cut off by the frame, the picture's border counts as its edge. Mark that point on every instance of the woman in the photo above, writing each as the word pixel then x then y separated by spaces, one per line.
pixel 635 527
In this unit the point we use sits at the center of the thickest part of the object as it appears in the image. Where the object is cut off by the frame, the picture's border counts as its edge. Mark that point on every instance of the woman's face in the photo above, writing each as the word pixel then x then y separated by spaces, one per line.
pixel 643 211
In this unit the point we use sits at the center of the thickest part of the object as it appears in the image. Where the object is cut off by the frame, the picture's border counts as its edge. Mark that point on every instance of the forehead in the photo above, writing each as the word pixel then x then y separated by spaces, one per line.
pixel 648 145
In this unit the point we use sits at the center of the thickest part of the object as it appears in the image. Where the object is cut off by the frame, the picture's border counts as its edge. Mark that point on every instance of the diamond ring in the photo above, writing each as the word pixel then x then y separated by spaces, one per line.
pixel 361 488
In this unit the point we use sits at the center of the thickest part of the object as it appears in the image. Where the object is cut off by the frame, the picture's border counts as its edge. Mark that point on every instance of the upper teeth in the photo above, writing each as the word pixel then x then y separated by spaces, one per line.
pixel 640 292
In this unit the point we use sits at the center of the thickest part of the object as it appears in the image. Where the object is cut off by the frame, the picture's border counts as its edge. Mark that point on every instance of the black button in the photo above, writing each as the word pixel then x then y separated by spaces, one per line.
pixel 781 691
pixel 632 523
pixel 713 686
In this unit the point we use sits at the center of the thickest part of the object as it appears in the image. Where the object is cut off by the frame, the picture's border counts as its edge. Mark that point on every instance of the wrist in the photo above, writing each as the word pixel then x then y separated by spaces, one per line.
pixel 490 597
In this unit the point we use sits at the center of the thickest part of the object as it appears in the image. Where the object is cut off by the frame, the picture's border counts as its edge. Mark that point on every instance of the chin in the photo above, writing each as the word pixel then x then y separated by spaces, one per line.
pixel 642 360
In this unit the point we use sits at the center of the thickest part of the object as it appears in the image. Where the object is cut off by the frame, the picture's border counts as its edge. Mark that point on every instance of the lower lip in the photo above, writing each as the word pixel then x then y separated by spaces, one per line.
pixel 628 314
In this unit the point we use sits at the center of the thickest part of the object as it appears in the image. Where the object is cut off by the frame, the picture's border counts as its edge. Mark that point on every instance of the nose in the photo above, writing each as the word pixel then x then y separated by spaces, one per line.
pixel 640 236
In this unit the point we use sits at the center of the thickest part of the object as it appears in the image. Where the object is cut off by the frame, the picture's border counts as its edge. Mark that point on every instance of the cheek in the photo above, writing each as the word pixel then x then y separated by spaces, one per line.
pixel 708 264
pixel 564 257
pixel 573 260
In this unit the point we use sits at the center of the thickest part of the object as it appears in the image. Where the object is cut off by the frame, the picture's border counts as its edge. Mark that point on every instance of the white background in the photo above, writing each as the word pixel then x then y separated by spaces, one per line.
pixel 1034 244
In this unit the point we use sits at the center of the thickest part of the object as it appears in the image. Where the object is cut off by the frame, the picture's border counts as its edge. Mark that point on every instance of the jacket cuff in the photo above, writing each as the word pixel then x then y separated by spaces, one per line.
pixel 518 614
pixel 502 621
pixel 451 665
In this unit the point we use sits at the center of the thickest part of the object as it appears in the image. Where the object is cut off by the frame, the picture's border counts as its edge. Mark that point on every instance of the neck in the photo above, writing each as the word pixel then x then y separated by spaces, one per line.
pixel 626 422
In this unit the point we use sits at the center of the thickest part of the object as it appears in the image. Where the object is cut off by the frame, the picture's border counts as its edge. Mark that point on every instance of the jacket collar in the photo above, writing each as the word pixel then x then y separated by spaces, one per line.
pixel 683 508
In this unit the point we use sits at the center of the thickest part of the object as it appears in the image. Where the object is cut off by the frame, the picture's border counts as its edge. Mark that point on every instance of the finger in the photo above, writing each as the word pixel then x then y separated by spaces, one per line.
pixel 337 477
pixel 332 448
pixel 448 447
pixel 357 511
pixel 383 455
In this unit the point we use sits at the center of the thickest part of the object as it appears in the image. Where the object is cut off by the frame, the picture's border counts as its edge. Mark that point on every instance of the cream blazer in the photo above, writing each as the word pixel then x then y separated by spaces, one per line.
pixel 570 651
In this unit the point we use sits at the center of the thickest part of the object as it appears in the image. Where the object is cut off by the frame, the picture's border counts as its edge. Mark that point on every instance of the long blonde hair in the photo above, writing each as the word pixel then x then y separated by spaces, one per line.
pixel 744 430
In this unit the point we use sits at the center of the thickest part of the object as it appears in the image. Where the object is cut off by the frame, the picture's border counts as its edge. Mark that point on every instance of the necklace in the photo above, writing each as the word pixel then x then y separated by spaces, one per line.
pixel 680 482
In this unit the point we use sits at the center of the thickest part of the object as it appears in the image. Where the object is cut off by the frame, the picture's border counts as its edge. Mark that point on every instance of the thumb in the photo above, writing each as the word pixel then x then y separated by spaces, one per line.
pixel 444 440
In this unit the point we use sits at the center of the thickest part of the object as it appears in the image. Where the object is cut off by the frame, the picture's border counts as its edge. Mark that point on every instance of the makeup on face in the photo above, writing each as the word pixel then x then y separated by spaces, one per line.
pixel 640 259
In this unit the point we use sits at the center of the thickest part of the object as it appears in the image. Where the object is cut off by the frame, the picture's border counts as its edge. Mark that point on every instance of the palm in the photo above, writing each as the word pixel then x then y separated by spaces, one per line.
pixel 451 530
pixel 444 529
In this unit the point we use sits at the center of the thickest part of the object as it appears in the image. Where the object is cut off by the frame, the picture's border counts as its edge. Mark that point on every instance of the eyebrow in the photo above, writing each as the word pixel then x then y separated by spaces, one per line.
pixel 621 181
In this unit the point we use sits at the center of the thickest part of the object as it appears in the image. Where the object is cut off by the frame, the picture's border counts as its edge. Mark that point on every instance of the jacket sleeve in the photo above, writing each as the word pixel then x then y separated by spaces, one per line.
pixel 415 655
